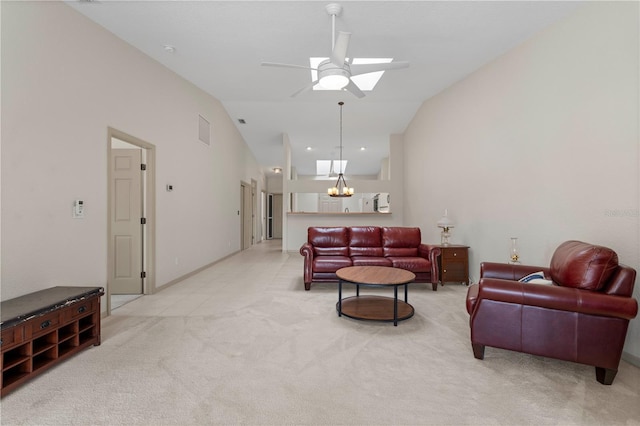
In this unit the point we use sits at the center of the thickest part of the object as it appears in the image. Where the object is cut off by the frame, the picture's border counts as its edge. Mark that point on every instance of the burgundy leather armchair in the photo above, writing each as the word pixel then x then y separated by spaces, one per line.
pixel 330 248
pixel 582 317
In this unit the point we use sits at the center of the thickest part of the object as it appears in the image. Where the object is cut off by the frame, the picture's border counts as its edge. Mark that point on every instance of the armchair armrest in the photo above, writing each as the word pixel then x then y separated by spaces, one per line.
pixel 431 253
pixel 307 251
pixel 556 297
pixel 508 271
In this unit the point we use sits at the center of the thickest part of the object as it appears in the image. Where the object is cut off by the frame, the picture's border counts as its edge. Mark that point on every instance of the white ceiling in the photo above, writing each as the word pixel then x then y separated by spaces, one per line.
pixel 220 45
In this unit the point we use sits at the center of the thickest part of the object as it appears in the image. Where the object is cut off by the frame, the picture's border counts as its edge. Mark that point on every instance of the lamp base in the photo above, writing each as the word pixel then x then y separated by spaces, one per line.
pixel 444 238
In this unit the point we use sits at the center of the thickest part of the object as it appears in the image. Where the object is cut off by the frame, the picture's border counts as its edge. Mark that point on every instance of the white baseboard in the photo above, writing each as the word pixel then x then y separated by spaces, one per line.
pixel 631 359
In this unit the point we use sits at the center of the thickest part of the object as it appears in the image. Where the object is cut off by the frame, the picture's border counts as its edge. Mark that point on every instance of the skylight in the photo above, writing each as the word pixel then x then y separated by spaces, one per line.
pixel 330 167
pixel 365 82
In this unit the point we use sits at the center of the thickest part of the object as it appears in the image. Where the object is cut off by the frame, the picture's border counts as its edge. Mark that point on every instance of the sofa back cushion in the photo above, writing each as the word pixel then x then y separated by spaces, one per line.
pixel 329 241
pixel 400 241
pixel 582 265
pixel 365 241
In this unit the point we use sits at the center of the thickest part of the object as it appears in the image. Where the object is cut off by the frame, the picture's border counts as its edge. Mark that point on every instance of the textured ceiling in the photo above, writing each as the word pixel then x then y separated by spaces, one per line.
pixel 220 45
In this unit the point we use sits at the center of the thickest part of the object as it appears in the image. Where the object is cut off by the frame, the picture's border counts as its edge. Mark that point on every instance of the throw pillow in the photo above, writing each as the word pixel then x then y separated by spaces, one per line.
pixel 535 278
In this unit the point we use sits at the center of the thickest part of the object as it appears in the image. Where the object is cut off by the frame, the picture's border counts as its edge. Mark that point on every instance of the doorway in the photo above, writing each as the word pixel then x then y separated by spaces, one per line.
pixel 131 217
pixel 274 216
pixel 246 216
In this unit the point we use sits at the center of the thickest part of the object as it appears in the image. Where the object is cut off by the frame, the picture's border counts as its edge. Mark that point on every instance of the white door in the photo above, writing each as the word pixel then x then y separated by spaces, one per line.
pixel 126 226
pixel 277 215
pixel 328 204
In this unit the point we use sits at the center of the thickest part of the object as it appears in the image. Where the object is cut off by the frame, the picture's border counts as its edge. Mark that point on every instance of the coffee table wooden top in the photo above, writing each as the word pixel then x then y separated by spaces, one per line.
pixel 375 275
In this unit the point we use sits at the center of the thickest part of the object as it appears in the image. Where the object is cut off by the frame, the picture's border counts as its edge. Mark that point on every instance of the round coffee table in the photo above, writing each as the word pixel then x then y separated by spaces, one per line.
pixel 375 308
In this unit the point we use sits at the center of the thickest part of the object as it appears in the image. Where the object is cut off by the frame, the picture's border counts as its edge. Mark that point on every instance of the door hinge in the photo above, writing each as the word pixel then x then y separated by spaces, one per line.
pixel 143 274
pixel 143 167
pixel 143 221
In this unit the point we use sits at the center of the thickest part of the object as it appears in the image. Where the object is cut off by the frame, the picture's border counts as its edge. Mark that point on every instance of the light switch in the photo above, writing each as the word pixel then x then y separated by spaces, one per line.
pixel 78 209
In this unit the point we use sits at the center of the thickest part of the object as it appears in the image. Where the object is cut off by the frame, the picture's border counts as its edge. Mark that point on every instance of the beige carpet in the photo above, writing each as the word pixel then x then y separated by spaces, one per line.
pixel 243 343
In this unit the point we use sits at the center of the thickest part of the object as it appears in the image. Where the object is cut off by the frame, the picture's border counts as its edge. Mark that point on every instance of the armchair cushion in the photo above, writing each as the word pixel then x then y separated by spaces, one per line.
pixel 581 265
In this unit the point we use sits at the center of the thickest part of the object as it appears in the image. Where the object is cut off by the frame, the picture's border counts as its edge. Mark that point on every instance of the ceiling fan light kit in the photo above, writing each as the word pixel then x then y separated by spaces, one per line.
pixel 332 78
pixel 335 73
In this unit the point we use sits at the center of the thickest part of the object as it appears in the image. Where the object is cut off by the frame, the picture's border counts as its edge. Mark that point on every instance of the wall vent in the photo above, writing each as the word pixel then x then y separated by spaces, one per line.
pixel 204 130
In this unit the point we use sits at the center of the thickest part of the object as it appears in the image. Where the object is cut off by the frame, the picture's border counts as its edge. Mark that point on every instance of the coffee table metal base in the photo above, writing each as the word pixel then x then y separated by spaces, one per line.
pixel 374 308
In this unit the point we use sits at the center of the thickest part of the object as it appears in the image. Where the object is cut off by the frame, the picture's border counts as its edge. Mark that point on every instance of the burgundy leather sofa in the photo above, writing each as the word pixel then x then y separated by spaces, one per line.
pixel 330 248
pixel 582 317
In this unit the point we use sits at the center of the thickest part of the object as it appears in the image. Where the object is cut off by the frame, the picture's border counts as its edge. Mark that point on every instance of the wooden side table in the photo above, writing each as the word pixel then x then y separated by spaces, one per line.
pixel 453 264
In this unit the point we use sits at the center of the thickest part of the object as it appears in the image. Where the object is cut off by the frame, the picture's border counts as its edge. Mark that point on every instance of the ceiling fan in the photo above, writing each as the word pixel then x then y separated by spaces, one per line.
pixel 335 73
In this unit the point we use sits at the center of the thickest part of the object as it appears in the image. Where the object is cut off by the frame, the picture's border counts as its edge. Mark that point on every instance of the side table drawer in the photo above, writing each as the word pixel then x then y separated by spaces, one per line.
pixel 455 254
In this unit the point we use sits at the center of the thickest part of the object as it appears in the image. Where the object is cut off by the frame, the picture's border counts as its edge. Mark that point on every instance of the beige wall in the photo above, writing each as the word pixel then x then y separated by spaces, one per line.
pixel 64 81
pixel 541 144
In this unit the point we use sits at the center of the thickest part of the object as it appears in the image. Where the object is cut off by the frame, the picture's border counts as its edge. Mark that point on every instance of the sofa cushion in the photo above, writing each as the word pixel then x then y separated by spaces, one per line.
pixel 370 261
pixel 413 264
pixel 365 241
pixel 329 241
pixel 581 265
pixel 330 263
pixel 400 241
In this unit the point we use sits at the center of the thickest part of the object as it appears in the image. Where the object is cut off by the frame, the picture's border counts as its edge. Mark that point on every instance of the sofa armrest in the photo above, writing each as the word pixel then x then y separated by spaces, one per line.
pixel 556 297
pixel 307 251
pixel 431 253
pixel 508 271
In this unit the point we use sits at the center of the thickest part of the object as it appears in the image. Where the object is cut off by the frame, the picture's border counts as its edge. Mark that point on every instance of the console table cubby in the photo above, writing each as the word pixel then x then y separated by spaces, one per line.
pixel 44 328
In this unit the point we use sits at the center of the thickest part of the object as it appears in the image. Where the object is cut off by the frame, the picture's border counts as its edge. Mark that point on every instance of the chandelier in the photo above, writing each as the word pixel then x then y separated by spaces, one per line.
pixel 340 189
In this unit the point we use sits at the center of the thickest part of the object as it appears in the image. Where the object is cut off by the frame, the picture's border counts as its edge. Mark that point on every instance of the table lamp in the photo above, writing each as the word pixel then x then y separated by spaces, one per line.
pixel 446 224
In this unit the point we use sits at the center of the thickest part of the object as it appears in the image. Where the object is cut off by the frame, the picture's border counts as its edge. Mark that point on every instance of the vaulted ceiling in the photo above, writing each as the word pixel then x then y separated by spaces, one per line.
pixel 219 46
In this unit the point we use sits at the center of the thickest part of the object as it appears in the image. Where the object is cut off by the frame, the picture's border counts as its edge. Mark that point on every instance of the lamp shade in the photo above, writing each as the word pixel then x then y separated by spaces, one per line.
pixel 445 221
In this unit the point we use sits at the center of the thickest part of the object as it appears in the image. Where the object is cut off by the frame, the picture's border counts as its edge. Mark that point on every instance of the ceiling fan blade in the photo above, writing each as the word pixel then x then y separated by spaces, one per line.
pixel 358 69
pixel 305 88
pixel 354 89
pixel 276 64
pixel 340 49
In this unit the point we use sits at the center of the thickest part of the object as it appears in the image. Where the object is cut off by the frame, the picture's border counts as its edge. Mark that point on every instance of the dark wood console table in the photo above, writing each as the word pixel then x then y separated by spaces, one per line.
pixel 44 328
